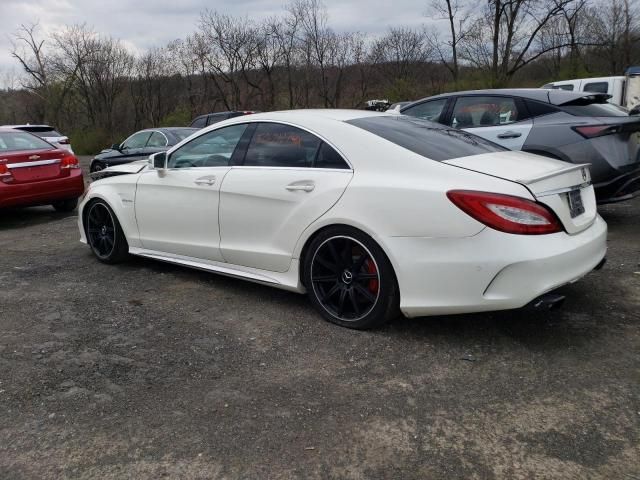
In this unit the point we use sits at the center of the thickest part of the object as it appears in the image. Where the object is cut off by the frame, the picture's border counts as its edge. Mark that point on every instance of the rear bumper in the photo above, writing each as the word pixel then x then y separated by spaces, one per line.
pixel 618 189
pixel 43 192
pixel 491 270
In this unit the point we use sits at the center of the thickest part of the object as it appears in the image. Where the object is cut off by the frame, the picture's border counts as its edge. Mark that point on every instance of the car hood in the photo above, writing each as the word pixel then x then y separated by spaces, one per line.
pixel 124 169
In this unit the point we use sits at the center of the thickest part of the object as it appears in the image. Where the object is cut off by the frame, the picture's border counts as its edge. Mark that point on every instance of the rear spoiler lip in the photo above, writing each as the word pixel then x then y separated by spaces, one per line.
pixel 564 102
pixel 553 173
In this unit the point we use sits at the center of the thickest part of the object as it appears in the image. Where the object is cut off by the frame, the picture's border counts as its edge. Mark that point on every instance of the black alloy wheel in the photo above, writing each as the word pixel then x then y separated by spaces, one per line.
pixel 104 233
pixel 350 280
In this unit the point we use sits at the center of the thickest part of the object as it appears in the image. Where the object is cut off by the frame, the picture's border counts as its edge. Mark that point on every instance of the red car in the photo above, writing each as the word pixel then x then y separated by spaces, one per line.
pixel 34 172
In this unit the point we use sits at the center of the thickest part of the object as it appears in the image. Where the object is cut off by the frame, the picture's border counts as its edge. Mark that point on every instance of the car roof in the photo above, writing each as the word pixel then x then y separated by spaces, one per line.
pixel 342 115
pixel 554 97
pixel 25 126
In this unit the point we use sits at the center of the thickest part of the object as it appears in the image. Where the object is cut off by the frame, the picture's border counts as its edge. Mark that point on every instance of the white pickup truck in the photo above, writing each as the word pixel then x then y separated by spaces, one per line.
pixel 624 90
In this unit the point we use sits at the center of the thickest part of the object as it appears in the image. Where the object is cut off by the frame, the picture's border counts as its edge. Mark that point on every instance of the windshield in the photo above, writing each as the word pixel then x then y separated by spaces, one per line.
pixel 431 140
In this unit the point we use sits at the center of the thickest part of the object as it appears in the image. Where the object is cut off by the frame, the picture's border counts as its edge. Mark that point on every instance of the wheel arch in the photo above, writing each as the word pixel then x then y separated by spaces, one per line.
pixel 311 233
pixel 120 204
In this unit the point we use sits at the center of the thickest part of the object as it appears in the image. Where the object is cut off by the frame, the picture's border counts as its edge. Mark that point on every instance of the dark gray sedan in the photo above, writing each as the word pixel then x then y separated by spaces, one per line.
pixel 577 127
pixel 140 145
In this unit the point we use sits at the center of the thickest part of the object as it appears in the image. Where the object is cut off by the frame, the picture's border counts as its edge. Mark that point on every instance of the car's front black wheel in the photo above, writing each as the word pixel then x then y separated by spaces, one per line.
pixel 349 279
pixel 68 205
pixel 104 234
pixel 96 167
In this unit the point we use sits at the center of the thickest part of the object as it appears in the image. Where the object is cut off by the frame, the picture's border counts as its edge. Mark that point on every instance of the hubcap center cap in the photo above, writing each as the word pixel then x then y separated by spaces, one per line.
pixel 347 277
pixel 103 230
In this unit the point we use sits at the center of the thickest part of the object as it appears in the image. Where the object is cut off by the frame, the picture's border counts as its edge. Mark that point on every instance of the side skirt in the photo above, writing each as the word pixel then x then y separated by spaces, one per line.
pixel 287 281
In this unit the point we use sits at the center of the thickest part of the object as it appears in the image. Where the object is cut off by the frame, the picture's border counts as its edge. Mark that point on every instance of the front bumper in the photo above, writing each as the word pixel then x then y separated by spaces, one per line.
pixel 42 192
pixel 491 270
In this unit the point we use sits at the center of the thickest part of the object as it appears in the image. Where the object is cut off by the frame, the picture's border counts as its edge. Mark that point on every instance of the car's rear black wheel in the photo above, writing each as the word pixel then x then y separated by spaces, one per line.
pixel 65 205
pixel 104 234
pixel 349 279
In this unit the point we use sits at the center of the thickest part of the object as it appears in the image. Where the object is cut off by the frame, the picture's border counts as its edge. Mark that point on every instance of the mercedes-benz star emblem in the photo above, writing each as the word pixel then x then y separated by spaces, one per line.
pixel 347 277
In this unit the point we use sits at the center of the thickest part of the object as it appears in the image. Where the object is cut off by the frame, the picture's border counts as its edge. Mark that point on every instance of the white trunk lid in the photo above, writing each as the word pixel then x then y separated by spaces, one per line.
pixel 564 187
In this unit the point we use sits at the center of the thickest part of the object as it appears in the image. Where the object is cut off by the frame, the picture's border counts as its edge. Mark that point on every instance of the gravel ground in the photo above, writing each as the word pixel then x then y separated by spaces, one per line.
pixel 147 370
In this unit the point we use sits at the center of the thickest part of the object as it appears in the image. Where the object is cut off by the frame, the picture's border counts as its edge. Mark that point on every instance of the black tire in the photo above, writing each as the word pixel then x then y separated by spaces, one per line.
pixel 104 234
pixel 65 205
pixel 349 279
pixel 96 167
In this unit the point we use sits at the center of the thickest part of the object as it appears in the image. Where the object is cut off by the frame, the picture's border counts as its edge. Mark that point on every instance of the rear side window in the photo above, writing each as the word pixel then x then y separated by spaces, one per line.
pixel 599 87
pixel 586 108
pixel 328 158
pixel 279 145
pixel 211 119
pixel 199 122
pixel 431 140
pixel 13 141
pixel 537 109
pixel 568 88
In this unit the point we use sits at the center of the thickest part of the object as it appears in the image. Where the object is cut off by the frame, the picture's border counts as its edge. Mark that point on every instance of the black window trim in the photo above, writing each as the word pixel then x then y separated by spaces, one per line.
pixel 280 122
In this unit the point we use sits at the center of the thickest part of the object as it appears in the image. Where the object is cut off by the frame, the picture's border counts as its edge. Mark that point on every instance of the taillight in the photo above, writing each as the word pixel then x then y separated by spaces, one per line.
pixel 64 141
pixel 69 161
pixel 506 213
pixel 5 174
pixel 592 131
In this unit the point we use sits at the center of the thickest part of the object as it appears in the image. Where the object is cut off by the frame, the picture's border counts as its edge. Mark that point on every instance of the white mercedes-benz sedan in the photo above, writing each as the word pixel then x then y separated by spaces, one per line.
pixel 366 212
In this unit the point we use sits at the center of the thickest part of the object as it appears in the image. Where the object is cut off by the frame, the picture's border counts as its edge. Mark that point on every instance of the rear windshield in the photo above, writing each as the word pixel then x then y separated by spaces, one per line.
pixel 12 141
pixel 431 140
pixel 590 109
pixel 41 131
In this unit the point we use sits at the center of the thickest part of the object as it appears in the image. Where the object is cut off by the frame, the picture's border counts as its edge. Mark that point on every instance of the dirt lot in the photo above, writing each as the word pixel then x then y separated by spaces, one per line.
pixel 147 370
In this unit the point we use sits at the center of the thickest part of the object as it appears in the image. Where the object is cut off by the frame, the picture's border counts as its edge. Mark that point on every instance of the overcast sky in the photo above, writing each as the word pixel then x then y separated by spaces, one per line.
pixel 141 24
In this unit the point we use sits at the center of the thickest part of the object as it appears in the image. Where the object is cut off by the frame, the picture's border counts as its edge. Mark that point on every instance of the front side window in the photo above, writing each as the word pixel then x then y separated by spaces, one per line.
pixel 279 145
pixel 428 110
pixel 157 140
pixel 431 140
pixel 137 140
pixel 470 112
pixel 213 149
pixel 10 141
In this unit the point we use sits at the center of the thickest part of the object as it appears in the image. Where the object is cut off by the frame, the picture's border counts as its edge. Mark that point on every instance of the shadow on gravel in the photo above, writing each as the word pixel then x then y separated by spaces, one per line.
pixel 25 217
pixel 570 325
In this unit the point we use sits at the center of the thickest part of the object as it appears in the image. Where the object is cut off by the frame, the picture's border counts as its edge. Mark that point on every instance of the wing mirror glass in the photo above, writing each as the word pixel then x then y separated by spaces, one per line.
pixel 158 160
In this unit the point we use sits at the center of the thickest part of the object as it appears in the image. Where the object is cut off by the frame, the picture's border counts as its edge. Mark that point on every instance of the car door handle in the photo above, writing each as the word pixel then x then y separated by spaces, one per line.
pixel 304 186
pixel 208 180
pixel 510 134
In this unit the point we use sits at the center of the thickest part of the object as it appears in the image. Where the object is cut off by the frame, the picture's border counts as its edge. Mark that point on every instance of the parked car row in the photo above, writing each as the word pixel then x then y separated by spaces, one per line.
pixel 466 202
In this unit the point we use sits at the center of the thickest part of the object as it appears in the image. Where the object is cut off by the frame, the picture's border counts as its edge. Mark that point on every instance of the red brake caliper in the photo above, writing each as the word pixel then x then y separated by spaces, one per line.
pixel 373 283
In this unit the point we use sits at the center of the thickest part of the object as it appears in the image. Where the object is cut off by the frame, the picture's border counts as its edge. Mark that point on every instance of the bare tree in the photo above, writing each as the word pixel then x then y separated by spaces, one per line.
pixel 447 49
